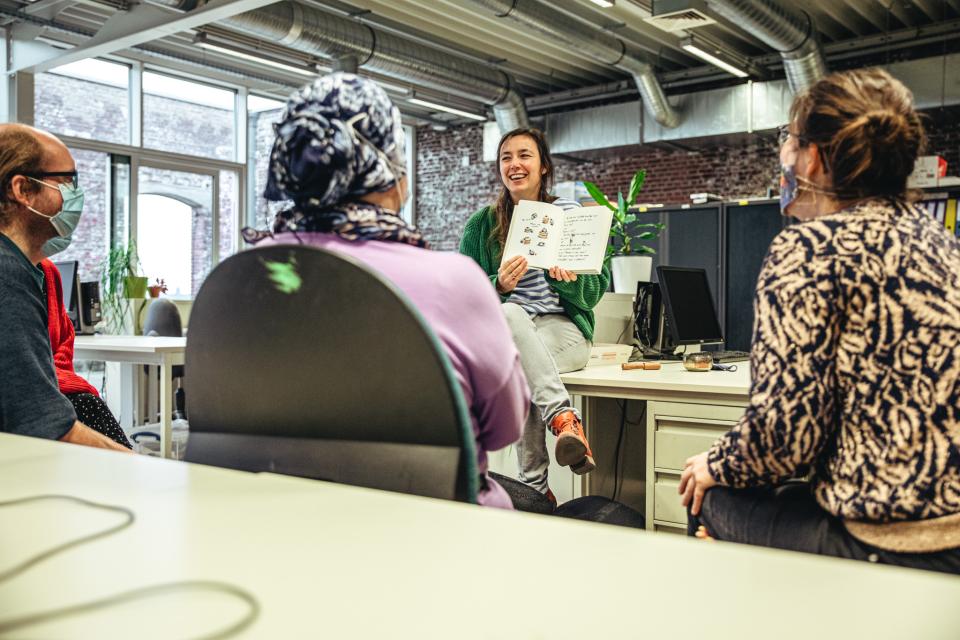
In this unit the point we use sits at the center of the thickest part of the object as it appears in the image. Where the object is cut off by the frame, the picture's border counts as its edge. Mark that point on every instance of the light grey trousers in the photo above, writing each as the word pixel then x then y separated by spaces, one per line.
pixel 549 345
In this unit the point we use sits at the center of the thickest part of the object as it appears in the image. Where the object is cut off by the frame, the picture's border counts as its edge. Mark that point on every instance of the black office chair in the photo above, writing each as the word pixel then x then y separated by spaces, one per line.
pixel 163 319
pixel 588 508
pixel 307 363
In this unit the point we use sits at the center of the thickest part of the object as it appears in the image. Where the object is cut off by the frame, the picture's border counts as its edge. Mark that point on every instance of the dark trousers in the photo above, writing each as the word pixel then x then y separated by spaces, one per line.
pixel 789 517
pixel 94 412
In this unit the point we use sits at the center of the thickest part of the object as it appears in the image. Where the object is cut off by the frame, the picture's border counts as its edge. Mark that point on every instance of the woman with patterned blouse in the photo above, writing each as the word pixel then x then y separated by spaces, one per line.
pixel 856 351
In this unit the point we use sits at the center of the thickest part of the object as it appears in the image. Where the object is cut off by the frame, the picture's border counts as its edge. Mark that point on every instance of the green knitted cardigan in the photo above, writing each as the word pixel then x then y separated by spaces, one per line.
pixel 578 298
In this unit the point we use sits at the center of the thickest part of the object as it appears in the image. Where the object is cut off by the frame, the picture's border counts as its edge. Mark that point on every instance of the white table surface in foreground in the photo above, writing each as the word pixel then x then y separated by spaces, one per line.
pixel 333 561
pixel 164 352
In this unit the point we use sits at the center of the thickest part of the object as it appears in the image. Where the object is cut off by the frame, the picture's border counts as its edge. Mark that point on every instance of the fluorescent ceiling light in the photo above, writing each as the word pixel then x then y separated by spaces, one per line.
pixel 606 4
pixel 697 50
pixel 303 71
pixel 440 107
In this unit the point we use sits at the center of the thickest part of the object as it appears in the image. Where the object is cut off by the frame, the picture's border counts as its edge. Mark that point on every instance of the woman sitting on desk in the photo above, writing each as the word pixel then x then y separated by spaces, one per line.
pixel 339 155
pixel 550 313
pixel 856 352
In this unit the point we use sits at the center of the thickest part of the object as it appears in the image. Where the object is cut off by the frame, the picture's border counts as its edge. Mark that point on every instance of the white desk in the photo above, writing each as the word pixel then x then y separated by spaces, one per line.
pixel 686 411
pixel 160 351
pixel 670 383
pixel 332 561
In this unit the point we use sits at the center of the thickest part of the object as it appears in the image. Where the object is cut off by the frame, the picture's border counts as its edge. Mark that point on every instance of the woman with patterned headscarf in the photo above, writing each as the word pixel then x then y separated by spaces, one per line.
pixel 339 156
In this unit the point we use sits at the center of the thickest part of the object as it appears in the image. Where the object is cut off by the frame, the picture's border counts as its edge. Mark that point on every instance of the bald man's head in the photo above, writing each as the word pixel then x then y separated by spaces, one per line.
pixel 24 150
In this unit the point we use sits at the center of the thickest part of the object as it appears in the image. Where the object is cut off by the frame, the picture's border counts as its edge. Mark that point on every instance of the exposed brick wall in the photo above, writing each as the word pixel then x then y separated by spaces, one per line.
pixel 448 192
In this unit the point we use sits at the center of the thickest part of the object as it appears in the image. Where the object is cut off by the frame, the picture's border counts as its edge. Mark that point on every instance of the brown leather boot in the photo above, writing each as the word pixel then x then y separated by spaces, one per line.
pixel 572 447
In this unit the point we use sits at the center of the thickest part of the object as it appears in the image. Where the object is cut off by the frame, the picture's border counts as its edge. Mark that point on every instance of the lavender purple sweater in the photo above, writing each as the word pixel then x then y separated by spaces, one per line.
pixel 456 299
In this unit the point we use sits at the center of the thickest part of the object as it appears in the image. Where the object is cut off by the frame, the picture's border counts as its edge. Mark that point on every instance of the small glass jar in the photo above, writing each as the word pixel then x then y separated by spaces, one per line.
pixel 699 361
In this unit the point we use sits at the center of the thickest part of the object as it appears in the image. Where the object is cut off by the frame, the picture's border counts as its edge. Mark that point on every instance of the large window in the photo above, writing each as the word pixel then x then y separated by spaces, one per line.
pixel 263 113
pixel 229 213
pixel 88 99
pixel 188 117
pixel 175 227
pixel 92 236
pixel 173 181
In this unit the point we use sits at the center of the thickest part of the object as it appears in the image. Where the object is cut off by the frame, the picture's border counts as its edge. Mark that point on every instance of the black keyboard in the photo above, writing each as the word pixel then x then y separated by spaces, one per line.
pixel 729 356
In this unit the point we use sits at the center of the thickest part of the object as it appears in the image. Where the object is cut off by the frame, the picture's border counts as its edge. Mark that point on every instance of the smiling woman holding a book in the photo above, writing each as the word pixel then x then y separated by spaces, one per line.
pixel 544 255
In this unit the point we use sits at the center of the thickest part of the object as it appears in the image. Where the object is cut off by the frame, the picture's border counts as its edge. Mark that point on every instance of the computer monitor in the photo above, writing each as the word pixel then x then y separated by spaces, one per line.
pixel 69 275
pixel 80 299
pixel 691 316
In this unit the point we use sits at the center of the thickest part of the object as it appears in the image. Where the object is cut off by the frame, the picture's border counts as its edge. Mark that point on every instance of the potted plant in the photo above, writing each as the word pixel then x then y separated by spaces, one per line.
pixel 630 262
pixel 119 283
pixel 159 286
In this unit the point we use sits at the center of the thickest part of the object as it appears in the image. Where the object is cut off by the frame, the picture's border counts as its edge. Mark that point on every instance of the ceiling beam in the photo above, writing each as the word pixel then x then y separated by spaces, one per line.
pixel 846 17
pixel 870 12
pixel 143 23
pixel 899 12
pixel 933 12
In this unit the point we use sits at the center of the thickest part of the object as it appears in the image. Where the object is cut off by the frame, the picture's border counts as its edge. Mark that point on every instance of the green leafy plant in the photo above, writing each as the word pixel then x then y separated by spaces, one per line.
pixel 624 227
pixel 119 281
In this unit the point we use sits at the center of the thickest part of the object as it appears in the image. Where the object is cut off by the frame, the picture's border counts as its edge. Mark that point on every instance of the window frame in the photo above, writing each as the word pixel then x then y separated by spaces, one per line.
pixel 166 160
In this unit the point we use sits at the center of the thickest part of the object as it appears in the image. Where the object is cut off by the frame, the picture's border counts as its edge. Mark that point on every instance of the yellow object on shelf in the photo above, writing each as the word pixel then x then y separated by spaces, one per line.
pixel 950 220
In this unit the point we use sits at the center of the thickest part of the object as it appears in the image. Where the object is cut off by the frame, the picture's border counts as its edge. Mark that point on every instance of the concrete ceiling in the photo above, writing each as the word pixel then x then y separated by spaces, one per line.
pixel 537 65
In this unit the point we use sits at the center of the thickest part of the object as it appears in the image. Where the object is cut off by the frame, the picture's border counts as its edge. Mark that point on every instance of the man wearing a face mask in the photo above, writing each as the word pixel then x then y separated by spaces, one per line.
pixel 40 206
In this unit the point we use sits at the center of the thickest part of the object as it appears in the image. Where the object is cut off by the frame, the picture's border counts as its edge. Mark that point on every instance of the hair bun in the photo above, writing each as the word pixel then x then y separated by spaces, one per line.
pixel 867 125
pixel 885 125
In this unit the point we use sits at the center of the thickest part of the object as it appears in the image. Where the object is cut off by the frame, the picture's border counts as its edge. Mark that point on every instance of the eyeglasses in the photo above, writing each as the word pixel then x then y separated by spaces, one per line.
pixel 74 180
pixel 784 133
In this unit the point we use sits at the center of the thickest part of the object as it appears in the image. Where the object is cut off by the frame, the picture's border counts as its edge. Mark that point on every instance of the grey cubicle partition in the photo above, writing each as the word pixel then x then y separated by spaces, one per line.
pixel 691 238
pixel 748 229
pixel 729 240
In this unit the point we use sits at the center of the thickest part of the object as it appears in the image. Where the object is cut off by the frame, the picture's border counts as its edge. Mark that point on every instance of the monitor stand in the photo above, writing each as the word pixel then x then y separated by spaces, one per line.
pixel 673 357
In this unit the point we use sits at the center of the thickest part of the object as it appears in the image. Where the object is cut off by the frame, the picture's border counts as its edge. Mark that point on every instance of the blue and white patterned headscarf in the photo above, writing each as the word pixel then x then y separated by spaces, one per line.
pixel 339 138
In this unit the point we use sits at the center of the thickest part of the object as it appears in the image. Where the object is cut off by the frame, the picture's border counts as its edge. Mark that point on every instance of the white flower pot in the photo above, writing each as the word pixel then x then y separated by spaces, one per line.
pixel 628 271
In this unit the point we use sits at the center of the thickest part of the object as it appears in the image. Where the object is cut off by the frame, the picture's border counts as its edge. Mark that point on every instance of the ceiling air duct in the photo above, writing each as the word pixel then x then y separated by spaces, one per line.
pixel 316 32
pixel 603 47
pixel 790 31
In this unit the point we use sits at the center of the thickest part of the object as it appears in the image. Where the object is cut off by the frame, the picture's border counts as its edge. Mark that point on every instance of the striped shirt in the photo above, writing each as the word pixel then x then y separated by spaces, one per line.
pixel 532 293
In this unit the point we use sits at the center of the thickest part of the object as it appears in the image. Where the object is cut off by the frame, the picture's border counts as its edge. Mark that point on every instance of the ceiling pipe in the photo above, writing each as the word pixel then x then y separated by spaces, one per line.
pixel 792 32
pixel 602 47
pixel 315 32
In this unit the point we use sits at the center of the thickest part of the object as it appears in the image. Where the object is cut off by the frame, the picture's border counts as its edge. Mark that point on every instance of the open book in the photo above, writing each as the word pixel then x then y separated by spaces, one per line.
pixel 547 236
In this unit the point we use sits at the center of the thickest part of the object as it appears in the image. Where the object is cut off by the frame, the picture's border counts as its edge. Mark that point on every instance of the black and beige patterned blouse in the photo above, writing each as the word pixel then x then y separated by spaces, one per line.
pixel 856 371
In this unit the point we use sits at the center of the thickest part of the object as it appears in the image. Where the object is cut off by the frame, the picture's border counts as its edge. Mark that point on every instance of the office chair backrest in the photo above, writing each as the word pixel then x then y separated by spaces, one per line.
pixel 163 319
pixel 306 362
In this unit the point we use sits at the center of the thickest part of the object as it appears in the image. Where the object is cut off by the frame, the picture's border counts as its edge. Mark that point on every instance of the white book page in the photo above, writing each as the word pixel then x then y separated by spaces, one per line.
pixel 535 231
pixel 586 231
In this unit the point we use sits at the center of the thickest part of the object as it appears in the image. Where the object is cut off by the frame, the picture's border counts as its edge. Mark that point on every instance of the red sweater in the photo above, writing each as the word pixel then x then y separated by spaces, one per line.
pixel 61 335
